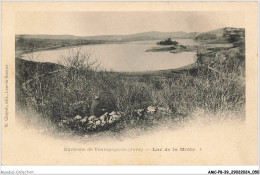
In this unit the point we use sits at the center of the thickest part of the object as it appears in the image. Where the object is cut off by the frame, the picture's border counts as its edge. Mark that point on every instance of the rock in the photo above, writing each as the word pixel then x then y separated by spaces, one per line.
pixel 104 118
pixel 90 122
pixel 98 123
pixel 115 118
pixel 84 120
pixel 77 117
pixel 110 120
pixel 151 109
pixel 92 118
pixel 112 113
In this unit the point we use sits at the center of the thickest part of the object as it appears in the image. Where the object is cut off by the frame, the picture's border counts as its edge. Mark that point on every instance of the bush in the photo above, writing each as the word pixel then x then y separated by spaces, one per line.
pixel 168 42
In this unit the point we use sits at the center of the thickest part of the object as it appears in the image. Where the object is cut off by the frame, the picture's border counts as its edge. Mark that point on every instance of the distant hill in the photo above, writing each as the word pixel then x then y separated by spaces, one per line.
pixel 219 35
pixel 28 43
pixel 151 35
pixel 57 37
pixel 217 31
pixel 162 35
pixel 132 37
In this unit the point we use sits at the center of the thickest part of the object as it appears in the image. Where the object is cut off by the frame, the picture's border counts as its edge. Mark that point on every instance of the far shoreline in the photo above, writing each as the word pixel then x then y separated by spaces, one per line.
pixel 21 53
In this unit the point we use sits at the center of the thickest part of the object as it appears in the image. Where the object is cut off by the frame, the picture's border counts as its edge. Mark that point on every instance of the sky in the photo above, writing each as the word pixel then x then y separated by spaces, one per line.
pixel 121 23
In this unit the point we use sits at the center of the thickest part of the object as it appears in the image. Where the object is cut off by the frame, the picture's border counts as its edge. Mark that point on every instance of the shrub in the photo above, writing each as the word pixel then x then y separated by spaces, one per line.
pixel 168 42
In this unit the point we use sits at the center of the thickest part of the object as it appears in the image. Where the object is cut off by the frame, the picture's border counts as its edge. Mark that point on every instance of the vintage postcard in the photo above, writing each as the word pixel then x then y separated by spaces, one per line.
pixel 129 83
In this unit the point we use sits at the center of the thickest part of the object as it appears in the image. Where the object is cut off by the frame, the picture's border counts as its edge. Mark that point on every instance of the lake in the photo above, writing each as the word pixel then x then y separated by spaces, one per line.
pixel 125 57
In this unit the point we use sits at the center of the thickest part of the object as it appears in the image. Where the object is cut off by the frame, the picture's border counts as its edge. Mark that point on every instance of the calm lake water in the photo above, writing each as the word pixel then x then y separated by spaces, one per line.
pixel 126 57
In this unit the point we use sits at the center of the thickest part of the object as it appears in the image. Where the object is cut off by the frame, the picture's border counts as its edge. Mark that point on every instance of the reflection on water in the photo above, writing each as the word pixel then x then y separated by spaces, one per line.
pixel 129 56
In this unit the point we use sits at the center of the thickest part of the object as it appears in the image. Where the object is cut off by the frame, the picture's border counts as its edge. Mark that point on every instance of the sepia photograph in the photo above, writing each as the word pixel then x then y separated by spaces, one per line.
pixel 130 86
pixel 127 80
